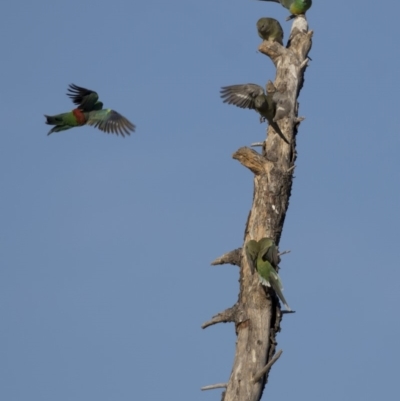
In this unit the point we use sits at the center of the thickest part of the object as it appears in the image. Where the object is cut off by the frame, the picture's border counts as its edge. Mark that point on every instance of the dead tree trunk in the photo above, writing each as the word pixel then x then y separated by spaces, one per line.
pixel 257 314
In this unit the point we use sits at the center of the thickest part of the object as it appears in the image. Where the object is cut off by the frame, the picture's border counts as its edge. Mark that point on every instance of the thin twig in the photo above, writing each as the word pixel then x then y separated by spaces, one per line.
pixel 267 367
pixel 255 144
pixel 304 63
pixel 284 253
pixel 214 386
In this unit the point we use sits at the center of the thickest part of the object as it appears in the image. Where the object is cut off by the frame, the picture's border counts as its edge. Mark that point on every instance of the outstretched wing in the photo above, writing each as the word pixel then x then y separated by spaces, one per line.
pixel 84 98
pixel 110 121
pixel 242 96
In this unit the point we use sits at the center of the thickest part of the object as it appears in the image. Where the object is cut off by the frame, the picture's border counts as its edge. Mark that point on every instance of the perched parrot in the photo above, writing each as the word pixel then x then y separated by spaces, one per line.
pixel 269 251
pixel 266 248
pixel 264 254
pixel 252 96
pixel 89 111
pixel 296 7
pixel 252 248
pixel 270 29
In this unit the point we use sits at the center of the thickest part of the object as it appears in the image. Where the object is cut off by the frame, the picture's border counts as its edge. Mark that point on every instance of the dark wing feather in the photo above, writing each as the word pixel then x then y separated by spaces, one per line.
pixel 241 95
pixel 110 121
pixel 84 98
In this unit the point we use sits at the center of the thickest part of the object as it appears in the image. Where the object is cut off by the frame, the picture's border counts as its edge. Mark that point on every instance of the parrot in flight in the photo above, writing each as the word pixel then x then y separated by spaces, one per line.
pixel 89 111
pixel 252 96
pixel 263 255
pixel 270 29
pixel 296 7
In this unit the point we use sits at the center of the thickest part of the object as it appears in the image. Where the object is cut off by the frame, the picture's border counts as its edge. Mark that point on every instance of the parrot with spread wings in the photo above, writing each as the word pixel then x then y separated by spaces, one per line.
pixel 89 111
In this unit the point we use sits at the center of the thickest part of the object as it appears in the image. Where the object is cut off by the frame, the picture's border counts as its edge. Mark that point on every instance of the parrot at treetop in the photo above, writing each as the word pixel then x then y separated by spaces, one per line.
pixel 89 112
pixel 252 96
pixel 270 29
pixel 296 7
pixel 264 254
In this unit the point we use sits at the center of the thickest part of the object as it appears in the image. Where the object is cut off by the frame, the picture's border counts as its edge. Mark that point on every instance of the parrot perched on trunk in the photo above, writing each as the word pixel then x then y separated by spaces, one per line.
pixel 264 255
pixel 296 7
pixel 270 29
pixel 252 96
pixel 89 111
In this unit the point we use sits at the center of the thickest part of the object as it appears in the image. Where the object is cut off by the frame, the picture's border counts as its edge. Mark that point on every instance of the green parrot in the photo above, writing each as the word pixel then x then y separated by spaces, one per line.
pixel 252 248
pixel 296 7
pixel 252 96
pixel 270 29
pixel 269 251
pixel 264 255
pixel 89 111
pixel 266 248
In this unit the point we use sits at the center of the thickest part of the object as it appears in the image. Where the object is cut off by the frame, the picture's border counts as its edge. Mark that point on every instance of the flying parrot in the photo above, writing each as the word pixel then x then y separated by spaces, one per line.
pixel 252 96
pixel 89 111
pixel 270 29
pixel 264 254
pixel 296 7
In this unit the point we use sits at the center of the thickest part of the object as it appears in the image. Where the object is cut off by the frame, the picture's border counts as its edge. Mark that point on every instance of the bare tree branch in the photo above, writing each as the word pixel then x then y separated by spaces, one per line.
pixel 233 258
pixel 214 386
pixel 267 367
pixel 227 316
pixel 250 159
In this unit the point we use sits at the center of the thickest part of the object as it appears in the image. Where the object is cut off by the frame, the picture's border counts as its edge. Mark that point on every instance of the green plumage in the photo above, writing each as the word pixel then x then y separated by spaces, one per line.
pixel 109 121
pixel 252 96
pixel 296 7
pixel 62 122
pixel 264 256
pixel 252 249
pixel 270 29
pixel 89 111
pixel 269 251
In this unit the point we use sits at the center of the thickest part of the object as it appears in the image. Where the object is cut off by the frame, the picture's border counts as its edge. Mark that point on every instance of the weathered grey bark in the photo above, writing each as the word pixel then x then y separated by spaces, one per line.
pixel 257 314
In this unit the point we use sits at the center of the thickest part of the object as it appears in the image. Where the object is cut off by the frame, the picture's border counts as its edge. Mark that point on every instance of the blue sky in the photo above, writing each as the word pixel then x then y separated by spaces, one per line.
pixel 105 242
